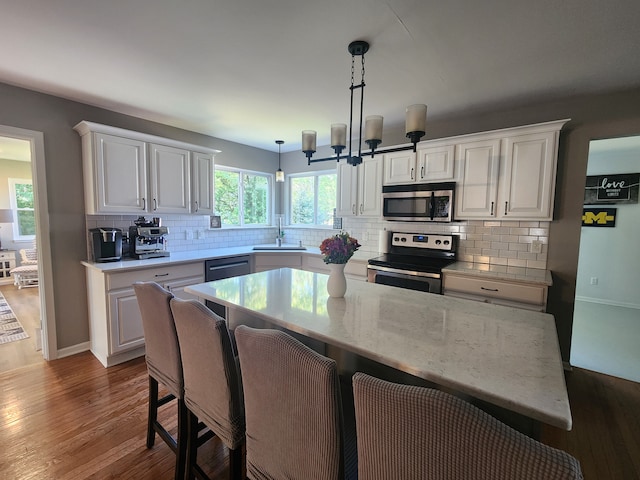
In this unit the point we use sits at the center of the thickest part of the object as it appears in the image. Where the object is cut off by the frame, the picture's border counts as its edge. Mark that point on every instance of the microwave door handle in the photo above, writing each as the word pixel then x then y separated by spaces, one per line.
pixel 432 205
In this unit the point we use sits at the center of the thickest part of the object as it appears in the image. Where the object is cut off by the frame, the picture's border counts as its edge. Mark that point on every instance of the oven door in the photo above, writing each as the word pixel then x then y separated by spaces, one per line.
pixel 423 282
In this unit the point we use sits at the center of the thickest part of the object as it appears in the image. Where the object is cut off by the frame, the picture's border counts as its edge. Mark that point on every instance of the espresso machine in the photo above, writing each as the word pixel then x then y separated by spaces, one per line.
pixel 147 240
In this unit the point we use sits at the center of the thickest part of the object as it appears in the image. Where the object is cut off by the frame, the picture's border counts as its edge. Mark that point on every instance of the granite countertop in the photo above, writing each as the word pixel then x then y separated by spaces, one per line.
pixel 506 356
pixel 535 276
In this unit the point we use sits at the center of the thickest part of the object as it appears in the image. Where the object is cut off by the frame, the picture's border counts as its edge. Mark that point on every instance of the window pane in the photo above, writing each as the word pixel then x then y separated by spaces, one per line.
pixel 302 200
pixel 326 198
pixel 227 185
pixel 256 198
pixel 26 222
pixel 24 195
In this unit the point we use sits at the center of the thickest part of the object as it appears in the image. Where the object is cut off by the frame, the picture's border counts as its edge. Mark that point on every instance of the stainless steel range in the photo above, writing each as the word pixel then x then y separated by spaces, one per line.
pixel 415 261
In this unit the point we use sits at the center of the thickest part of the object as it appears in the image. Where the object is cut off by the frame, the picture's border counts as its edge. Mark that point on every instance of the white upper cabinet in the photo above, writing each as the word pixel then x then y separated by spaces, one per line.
pixel 127 172
pixel 477 188
pixel 508 174
pixel 360 188
pixel 170 169
pixel 115 169
pixel 202 186
pixel 529 175
pixel 399 167
pixel 432 162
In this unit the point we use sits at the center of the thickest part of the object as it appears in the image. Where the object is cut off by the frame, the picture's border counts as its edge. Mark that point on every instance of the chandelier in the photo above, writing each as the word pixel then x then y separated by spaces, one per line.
pixel 415 121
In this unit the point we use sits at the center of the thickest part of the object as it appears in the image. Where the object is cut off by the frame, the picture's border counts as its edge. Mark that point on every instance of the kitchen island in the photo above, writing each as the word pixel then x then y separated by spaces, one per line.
pixel 506 357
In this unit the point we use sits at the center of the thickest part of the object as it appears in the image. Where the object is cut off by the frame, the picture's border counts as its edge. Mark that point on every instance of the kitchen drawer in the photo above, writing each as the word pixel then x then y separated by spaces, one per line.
pixel 160 274
pixel 517 292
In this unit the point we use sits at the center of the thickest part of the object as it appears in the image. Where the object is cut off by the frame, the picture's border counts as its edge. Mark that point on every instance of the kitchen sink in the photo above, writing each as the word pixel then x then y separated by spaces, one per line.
pixel 284 246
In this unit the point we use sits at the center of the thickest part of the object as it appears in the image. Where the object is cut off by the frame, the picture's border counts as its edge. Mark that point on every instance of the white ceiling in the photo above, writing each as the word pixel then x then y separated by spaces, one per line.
pixel 253 71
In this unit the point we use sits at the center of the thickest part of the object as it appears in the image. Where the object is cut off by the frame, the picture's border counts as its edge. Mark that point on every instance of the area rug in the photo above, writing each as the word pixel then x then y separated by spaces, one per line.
pixel 10 328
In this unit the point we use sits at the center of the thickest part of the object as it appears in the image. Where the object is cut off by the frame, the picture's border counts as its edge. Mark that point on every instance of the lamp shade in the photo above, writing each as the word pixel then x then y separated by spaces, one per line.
pixel 308 140
pixel 6 215
pixel 416 119
pixel 373 127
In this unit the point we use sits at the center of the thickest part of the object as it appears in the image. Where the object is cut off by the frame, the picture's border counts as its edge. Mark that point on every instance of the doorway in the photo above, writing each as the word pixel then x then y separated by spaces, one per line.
pixel 34 143
pixel 606 322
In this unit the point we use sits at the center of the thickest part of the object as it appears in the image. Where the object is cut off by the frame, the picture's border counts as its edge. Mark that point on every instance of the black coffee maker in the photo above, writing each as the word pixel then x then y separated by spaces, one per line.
pixel 106 244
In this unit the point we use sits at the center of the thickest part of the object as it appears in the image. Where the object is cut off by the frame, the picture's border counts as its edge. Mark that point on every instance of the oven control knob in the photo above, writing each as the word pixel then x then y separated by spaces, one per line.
pixel 403 239
pixel 446 242
pixel 438 242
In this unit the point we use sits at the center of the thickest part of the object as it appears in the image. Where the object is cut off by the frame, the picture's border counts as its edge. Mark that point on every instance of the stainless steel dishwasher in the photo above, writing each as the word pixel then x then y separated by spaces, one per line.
pixel 219 268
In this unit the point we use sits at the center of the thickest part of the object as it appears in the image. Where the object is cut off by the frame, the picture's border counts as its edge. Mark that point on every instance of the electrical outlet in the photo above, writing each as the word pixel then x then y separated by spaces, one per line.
pixel 594 280
pixel 188 234
pixel 536 246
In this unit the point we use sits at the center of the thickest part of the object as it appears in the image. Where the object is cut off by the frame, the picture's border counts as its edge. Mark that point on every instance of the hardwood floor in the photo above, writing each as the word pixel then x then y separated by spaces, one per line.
pixel 73 419
pixel 25 303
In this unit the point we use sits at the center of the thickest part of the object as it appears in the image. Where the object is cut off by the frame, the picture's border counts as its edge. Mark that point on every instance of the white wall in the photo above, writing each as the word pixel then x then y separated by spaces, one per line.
pixel 612 255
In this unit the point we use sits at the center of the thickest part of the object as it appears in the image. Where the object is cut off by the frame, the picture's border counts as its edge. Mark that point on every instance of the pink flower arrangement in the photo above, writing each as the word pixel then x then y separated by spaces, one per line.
pixel 339 248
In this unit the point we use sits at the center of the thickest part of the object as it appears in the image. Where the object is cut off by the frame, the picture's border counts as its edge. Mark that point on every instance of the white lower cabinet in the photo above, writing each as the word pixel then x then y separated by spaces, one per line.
pixel 270 261
pixel 524 295
pixel 115 323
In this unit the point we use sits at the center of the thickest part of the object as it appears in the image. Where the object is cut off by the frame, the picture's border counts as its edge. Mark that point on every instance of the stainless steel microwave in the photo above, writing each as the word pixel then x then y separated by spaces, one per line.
pixel 420 202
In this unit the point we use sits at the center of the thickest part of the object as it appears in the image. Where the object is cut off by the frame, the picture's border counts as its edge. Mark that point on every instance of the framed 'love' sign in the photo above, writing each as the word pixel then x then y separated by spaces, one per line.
pixel 615 188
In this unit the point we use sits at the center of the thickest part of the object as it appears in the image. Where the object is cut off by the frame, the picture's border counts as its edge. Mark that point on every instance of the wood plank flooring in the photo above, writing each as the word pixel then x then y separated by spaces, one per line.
pixel 73 419
pixel 25 304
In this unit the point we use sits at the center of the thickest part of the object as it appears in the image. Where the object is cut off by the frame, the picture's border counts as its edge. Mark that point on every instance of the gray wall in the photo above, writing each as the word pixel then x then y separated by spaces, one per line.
pixel 595 116
pixel 56 117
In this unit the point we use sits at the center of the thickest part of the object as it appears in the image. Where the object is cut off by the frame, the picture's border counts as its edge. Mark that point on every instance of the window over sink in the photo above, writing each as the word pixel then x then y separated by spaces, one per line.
pixel 312 198
pixel 243 198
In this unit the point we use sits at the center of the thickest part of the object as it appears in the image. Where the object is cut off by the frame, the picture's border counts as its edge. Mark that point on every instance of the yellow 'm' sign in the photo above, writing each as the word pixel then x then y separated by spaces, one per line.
pixel 599 217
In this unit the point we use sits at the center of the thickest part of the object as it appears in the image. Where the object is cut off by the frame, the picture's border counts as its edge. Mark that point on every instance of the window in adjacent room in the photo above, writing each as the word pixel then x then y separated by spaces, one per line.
pixel 312 198
pixel 22 204
pixel 243 197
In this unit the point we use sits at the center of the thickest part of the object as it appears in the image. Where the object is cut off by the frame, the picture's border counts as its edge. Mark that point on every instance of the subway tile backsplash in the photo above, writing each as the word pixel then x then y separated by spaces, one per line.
pixel 505 243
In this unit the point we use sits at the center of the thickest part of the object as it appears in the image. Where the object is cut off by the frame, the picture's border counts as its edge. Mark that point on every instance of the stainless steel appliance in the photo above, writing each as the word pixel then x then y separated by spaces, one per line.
pixel 106 244
pixel 415 261
pixel 219 268
pixel 420 202
pixel 148 242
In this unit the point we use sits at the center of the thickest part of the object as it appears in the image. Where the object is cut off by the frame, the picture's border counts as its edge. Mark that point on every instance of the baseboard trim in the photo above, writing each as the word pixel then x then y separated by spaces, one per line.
pixel 603 301
pixel 72 350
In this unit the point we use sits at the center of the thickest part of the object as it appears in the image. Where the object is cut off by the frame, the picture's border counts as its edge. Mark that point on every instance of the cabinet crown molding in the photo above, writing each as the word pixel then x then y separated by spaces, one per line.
pixel 85 127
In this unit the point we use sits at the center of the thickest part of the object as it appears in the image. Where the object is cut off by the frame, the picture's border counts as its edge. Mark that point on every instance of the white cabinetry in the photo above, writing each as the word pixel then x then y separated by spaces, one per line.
pixel 170 169
pixel 7 262
pixel 114 316
pixel 130 172
pixel 524 295
pixel 271 261
pixel 202 183
pixel 508 174
pixel 360 188
pixel 477 190
pixel 432 162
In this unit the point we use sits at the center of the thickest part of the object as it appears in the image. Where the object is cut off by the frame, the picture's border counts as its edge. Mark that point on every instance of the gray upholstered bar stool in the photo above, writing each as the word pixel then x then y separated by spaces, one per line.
pixel 413 432
pixel 292 407
pixel 212 391
pixel 164 366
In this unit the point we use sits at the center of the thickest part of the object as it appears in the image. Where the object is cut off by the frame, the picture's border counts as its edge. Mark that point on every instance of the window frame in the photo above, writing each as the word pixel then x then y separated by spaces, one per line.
pixel 17 236
pixel 270 195
pixel 316 174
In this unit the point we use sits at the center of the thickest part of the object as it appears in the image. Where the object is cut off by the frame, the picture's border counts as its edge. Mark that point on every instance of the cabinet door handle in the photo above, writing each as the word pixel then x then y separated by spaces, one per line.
pixel 412 174
pixel 491 209
pixel 489 289
pixel 155 204
pixel 422 172
pixel 161 275
pixel 144 203
pixel 361 209
pixel 197 207
pixel 353 208
pixel 505 207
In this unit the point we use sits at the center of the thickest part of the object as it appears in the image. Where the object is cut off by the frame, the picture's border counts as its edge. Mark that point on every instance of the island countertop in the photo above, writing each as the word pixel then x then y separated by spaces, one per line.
pixel 505 356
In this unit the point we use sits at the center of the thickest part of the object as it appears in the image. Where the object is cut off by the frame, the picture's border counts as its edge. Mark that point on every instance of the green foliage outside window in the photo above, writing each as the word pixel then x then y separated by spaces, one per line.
pixel 242 198
pixel 25 213
pixel 313 198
